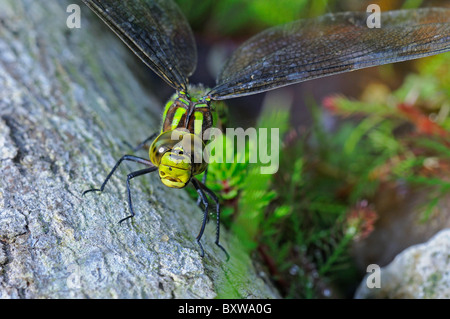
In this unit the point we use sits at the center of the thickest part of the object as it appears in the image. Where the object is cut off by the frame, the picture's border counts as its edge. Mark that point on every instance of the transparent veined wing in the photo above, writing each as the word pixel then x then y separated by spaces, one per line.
pixel 156 31
pixel 334 43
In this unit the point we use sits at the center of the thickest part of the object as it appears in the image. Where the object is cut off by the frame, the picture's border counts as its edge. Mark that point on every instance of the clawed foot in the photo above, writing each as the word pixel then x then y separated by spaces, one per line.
pixel 124 219
pixel 92 190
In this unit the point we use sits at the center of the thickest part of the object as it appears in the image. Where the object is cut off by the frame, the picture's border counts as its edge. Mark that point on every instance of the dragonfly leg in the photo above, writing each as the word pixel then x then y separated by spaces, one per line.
pixel 130 158
pixel 204 200
pixel 216 200
pixel 129 177
pixel 142 144
pixel 204 183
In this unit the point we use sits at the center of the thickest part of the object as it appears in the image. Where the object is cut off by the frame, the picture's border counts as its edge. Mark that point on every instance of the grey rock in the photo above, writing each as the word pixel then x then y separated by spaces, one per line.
pixel 68 100
pixel 419 272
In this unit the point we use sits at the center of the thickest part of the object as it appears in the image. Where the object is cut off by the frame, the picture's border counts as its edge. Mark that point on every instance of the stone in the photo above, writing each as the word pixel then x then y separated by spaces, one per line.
pixel 419 272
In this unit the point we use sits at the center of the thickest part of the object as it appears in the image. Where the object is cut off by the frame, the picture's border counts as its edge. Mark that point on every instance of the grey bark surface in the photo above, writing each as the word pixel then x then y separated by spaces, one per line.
pixel 68 100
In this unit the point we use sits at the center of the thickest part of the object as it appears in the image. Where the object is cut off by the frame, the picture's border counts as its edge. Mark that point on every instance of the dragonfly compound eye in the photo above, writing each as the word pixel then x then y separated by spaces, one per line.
pixel 165 142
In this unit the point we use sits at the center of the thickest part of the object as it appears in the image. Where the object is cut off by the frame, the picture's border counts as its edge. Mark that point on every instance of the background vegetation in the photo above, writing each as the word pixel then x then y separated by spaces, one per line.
pixel 302 221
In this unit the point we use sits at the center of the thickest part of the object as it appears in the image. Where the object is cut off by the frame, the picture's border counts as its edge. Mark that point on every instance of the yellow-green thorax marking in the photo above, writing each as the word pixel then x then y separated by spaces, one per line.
pixel 178 150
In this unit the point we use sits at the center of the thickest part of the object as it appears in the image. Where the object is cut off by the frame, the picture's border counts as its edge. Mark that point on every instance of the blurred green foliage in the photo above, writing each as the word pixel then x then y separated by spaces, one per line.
pixel 243 16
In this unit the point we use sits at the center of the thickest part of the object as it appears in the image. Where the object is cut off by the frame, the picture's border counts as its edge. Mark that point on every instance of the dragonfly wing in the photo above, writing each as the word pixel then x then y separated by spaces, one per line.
pixel 156 31
pixel 334 43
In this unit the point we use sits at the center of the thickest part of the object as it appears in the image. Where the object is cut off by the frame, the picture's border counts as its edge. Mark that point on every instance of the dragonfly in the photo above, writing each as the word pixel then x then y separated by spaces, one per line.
pixel 160 35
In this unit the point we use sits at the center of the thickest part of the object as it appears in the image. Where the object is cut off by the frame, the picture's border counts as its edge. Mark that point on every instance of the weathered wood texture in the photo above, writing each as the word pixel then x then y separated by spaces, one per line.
pixel 68 100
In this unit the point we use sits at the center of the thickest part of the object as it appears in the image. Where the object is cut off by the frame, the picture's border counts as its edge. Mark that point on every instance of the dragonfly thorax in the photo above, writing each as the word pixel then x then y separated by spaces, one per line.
pixel 184 111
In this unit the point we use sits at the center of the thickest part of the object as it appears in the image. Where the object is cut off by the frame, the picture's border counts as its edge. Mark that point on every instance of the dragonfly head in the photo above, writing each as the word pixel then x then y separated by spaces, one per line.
pixel 179 156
